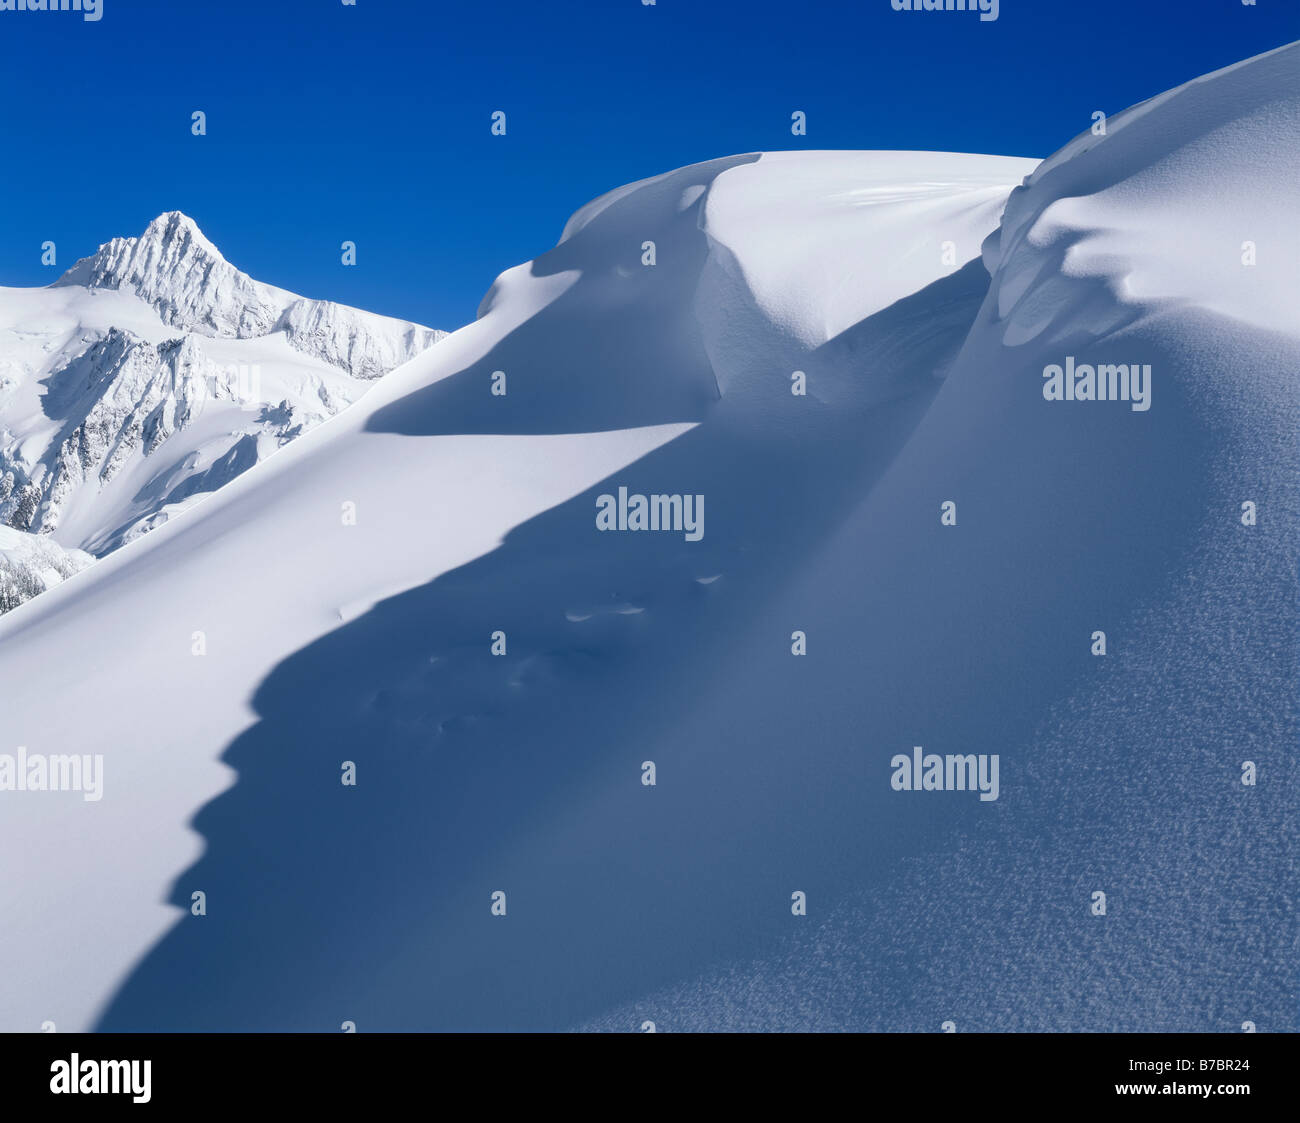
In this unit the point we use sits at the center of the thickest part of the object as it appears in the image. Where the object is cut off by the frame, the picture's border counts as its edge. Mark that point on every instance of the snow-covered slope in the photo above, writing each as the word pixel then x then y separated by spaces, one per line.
pixel 420 590
pixel 154 371
pixel 31 563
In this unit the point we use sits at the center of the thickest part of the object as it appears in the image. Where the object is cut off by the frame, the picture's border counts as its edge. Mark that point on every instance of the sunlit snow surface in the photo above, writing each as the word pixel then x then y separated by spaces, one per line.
pixel 922 318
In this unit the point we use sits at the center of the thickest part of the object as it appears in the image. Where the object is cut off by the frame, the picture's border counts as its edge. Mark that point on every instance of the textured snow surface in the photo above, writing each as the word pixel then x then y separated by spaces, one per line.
pixel 347 591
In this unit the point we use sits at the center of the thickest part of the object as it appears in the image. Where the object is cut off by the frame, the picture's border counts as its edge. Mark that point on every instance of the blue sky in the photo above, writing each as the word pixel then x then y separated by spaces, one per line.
pixel 372 122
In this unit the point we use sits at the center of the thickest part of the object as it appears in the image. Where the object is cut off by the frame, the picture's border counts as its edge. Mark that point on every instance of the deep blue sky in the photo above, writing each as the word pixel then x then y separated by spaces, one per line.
pixel 371 123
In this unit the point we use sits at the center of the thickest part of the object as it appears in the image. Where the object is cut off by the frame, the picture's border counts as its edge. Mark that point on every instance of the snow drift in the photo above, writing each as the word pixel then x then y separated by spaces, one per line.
pixel 417 594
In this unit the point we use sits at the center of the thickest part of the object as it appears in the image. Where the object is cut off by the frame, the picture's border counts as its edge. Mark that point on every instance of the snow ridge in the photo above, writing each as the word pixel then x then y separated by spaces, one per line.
pixel 185 279
pixel 821 352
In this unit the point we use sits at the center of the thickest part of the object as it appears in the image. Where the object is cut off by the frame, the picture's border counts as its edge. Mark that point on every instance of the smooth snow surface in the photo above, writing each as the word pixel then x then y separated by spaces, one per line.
pixel 922 319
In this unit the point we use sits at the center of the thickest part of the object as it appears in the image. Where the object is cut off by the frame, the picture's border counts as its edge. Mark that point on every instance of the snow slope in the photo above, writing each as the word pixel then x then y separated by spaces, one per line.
pixel 347 592
pixel 30 564
pixel 154 371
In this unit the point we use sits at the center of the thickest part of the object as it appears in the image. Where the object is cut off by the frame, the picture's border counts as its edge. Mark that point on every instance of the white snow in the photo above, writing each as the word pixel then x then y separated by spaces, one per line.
pixel 154 371
pixel 475 512
pixel 30 564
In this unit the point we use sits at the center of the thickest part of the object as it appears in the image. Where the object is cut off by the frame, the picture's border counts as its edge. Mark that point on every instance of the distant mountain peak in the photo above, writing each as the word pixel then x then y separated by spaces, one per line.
pixel 175 269
pixel 109 450
pixel 171 242
pixel 175 228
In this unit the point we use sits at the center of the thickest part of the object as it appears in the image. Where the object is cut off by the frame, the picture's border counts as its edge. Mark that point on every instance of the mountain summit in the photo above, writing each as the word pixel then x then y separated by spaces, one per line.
pixel 151 373
pixel 183 276
pixel 174 269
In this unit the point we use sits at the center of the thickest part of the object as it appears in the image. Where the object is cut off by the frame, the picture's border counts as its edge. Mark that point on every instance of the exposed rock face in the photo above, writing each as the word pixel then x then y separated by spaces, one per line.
pixel 120 396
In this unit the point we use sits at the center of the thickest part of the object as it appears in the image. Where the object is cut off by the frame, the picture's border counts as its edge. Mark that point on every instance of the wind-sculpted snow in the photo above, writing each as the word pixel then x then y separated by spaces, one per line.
pixel 919 550
pixel 1173 207
pixel 155 372
pixel 1122 774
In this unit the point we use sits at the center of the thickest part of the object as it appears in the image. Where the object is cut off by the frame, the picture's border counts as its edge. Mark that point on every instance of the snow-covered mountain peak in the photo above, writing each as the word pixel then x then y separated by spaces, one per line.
pixel 151 373
pixel 172 243
pixel 184 278
pixel 182 275
pixel 173 236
